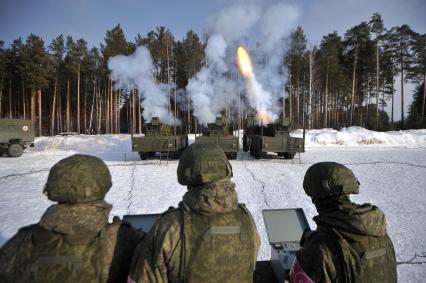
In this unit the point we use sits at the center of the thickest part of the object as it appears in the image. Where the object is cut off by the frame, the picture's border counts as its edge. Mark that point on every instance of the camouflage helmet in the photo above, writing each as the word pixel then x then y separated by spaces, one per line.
pixel 326 179
pixel 202 164
pixel 78 178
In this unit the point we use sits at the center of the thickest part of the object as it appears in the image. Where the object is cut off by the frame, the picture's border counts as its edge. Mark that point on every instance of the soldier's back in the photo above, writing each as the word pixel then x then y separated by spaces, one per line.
pixel 35 254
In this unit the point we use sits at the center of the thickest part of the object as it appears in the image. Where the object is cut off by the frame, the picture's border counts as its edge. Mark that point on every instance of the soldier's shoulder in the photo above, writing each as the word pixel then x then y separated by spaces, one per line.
pixel 27 228
pixel 23 234
pixel 317 241
pixel 171 215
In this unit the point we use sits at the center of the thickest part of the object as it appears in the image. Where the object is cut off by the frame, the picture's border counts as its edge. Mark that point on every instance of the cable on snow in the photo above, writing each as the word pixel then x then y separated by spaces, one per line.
pixel 416 255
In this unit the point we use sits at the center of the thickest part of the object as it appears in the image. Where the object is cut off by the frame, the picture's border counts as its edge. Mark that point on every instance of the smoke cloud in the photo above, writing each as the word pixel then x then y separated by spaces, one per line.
pixel 137 70
pixel 262 29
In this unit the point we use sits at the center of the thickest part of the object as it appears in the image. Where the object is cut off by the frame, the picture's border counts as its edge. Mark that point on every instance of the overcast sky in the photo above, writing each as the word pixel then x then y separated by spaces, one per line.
pixel 90 19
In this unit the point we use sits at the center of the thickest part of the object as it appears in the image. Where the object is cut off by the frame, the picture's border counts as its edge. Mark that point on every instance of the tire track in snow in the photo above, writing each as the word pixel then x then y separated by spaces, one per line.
pixel 132 186
pixel 263 185
pixel 359 163
pixel 17 176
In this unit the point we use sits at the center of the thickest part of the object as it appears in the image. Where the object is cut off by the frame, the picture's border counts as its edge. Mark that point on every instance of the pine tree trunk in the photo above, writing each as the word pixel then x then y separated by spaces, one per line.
pixel 175 104
pixel 326 101
pixel 310 89
pixel 60 126
pixel 128 118
pixel 168 76
pixel 111 114
pixel 132 91
pixel 114 111
pixel 68 106
pixel 424 99
pixel 360 102
pixel 92 109
pixel 283 106
pixel 402 91
pixel 393 92
pixel 52 116
pixel 117 93
pixel 377 84
pixel 368 103
pixel 107 108
pixel 1 95
pixel 10 100
pixel 383 104
pixel 24 108
pixel 353 86
pixel 78 98
pixel 336 112
pixel 100 109
pixel 117 117
pixel 189 117
pixel 298 100
pixel 290 104
pixel 139 114
pixel 85 108
pixel 33 113
pixel 40 114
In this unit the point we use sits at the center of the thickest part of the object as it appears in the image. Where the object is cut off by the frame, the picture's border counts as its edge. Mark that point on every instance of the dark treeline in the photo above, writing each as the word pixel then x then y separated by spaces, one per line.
pixel 64 86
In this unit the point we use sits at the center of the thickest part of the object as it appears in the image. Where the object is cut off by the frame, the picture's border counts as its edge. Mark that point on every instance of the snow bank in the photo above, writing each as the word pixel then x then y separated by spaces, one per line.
pixel 357 136
pixel 118 147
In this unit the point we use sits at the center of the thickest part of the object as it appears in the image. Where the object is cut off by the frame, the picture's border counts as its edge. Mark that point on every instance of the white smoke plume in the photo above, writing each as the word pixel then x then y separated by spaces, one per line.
pixel 262 28
pixel 137 70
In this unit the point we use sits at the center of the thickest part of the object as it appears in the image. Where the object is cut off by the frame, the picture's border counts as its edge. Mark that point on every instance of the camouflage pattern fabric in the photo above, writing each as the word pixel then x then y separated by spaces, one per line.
pixel 349 245
pixel 326 179
pixel 215 227
pixel 78 178
pixel 70 244
pixel 202 164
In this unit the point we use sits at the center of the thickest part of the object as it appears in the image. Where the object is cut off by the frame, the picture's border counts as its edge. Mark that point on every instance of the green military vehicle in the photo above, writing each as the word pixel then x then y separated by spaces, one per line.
pixel 218 134
pixel 15 136
pixel 159 138
pixel 272 138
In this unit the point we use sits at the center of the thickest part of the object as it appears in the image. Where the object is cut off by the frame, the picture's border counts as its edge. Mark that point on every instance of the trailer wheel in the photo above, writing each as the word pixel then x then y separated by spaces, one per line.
pixel 245 145
pixel 289 155
pixel 15 150
pixel 257 154
pixel 143 155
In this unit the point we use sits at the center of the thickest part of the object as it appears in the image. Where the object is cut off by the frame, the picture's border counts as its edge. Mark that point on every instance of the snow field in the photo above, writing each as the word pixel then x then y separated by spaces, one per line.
pixel 392 174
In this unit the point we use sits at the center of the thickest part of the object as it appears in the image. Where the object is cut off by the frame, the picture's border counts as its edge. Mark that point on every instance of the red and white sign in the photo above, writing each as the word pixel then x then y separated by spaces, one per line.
pixel 298 275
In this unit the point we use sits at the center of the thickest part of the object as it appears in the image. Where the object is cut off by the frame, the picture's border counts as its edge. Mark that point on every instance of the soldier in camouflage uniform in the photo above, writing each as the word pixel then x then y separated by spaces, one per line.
pixel 209 237
pixel 350 243
pixel 73 241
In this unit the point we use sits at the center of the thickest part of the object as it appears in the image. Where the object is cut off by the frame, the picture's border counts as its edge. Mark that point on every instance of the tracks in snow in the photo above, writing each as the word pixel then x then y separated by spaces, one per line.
pixel 132 186
pixel 262 184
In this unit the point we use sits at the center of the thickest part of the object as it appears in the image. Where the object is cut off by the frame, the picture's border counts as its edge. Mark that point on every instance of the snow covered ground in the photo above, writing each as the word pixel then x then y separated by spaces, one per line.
pixel 391 168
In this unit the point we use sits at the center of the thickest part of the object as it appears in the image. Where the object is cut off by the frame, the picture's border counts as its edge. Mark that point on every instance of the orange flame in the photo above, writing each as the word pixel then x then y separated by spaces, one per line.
pixel 263 117
pixel 244 63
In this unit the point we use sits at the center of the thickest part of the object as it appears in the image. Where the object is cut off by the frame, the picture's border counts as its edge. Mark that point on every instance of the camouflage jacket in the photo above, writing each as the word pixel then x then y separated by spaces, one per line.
pixel 71 225
pixel 158 258
pixel 349 245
